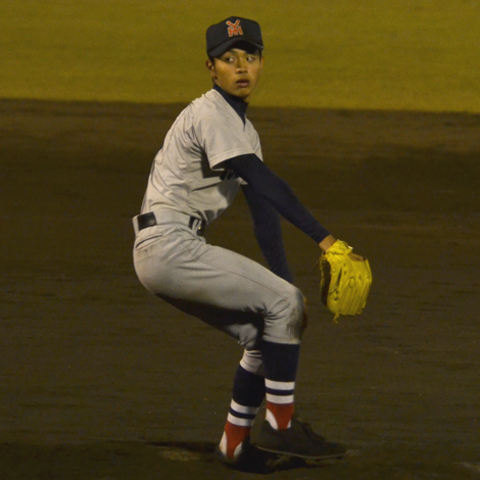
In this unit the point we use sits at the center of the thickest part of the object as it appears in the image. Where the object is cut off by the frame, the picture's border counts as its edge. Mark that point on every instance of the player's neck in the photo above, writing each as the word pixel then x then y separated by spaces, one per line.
pixel 237 103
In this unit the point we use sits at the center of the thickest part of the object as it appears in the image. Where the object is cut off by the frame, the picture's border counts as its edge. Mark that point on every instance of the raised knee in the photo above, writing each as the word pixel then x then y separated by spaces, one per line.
pixel 285 321
pixel 298 317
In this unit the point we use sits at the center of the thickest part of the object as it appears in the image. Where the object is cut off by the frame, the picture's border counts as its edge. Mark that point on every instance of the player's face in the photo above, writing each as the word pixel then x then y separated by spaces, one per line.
pixel 237 72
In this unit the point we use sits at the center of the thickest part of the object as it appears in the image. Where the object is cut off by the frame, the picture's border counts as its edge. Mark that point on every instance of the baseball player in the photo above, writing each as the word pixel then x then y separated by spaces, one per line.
pixel 211 151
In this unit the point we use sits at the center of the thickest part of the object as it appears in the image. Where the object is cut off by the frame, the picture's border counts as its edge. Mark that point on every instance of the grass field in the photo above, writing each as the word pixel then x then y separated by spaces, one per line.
pixel 372 54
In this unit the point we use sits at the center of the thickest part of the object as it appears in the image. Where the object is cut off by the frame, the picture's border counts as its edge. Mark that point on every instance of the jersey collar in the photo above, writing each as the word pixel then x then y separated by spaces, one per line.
pixel 239 105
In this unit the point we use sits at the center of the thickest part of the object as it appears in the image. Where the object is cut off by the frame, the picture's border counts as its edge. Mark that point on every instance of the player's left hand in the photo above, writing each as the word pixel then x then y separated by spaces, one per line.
pixel 345 280
pixel 357 258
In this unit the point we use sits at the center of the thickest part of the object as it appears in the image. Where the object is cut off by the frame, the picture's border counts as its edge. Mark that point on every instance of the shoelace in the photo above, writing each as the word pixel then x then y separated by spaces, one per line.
pixel 309 430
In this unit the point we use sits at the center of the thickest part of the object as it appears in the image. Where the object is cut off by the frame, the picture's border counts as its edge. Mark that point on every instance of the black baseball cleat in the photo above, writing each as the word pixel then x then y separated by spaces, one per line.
pixel 298 441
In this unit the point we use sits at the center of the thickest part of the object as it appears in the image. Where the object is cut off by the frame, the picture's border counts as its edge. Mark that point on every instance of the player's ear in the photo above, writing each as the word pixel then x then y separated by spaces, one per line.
pixel 211 68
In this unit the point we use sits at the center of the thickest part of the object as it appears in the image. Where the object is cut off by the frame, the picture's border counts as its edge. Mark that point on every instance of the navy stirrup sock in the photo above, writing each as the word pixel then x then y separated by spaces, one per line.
pixel 280 362
pixel 248 395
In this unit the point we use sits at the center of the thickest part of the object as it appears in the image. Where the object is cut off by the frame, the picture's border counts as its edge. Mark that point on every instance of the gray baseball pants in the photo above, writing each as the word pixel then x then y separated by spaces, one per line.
pixel 224 289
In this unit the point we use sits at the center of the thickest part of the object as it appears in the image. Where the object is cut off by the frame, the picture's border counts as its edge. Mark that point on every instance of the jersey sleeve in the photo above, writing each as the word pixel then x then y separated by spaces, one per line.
pixel 222 135
pixel 268 232
pixel 276 191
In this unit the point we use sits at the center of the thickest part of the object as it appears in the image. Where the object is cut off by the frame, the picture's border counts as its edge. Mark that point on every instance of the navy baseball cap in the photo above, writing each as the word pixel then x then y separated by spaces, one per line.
pixel 221 36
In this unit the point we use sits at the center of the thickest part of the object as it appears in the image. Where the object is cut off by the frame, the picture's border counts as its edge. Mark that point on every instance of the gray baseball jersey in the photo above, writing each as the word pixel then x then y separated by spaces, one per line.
pixel 185 175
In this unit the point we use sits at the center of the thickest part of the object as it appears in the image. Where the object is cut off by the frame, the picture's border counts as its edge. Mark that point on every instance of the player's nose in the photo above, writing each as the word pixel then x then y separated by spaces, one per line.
pixel 242 65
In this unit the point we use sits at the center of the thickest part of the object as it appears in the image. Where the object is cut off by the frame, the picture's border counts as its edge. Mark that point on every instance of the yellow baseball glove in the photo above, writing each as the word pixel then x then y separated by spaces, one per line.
pixel 345 282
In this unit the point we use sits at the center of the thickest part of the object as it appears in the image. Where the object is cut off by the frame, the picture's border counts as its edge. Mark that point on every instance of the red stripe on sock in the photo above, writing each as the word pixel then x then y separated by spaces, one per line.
pixel 235 436
pixel 282 413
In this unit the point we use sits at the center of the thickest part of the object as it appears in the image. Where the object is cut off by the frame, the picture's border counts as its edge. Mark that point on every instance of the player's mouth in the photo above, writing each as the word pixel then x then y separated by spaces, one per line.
pixel 243 83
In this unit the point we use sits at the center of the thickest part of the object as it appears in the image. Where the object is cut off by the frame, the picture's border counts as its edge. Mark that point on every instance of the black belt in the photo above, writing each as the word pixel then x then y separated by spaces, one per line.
pixel 146 220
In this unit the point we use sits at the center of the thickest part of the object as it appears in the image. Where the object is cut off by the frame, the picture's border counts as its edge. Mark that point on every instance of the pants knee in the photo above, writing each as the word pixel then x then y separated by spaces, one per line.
pixel 298 316
pixel 289 321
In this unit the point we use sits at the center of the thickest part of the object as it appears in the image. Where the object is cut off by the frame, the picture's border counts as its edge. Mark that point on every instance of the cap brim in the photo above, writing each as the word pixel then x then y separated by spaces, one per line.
pixel 221 49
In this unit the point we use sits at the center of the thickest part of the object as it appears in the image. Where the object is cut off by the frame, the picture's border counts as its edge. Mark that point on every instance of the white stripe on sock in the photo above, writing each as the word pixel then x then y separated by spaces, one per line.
pixel 270 418
pixel 223 444
pixel 240 422
pixel 279 385
pixel 279 399
pixel 242 409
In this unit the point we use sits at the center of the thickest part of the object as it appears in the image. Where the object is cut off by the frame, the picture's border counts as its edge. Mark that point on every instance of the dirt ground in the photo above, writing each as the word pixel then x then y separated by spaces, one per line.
pixel 100 380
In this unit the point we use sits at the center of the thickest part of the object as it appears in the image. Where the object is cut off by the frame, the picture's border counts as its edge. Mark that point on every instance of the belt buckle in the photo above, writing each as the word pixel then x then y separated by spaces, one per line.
pixel 198 225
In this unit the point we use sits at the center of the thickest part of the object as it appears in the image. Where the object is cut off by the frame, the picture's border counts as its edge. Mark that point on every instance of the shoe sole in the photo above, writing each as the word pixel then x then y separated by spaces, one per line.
pixel 304 457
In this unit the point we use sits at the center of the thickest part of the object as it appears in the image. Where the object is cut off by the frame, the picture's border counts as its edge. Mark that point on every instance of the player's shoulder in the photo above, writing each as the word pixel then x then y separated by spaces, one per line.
pixel 211 108
pixel 209 102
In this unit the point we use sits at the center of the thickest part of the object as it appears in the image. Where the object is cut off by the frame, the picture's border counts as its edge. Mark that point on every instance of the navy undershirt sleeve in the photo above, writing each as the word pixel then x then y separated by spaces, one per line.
pixel 268 232
pixel 277 192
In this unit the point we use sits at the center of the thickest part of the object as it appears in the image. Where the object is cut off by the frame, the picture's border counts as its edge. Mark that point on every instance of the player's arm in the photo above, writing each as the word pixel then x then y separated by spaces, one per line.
pixel 278 193
pixel 268 232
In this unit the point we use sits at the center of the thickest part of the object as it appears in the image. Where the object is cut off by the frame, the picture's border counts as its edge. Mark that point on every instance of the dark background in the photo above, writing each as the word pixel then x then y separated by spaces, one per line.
pixel 95 372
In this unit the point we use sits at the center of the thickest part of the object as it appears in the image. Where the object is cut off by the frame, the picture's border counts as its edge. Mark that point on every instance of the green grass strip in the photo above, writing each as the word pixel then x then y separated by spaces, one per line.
pixel 373 54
